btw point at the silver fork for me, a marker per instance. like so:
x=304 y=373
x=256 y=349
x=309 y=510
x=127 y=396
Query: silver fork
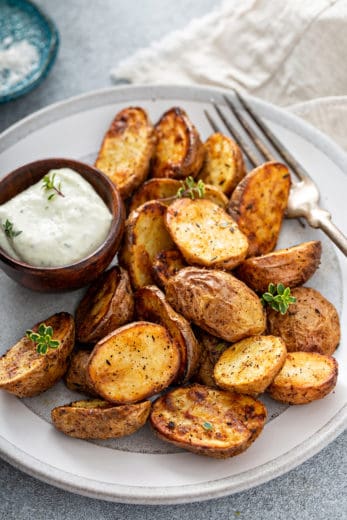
x=304 y=194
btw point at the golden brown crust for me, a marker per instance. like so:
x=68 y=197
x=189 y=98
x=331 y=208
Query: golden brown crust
x=223 y=166
x=166 y=264
x=25 y=373
x=217 y=302
x=292 y=266
x=76 y=376
x=152 y=306
x=107 y=304
x=98 y=419
x=127 y=149
x=305 y=377
x=212 y=348
x=179 y=151
x=134 y=362
x=258 y=204
x=311 y=324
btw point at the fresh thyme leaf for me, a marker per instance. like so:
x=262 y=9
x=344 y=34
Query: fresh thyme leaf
x=9 y=231
x=207 y=426
x=43 y=338
x=191 y=189
x=48 y=185
x=278 y=297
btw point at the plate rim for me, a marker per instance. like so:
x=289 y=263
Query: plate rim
x=219 y=487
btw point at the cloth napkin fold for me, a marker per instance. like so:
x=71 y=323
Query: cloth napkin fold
x=284 y=52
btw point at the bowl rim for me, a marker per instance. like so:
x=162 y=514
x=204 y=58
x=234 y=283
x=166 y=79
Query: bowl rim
x=115 y=227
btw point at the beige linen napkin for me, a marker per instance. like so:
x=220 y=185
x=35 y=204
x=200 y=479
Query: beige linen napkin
x=283 y=51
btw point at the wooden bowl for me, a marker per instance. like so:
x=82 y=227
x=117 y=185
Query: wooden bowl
x=78 y=274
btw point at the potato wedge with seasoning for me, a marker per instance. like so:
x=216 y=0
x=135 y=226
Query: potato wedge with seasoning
x=76 y=376
x=212 y=348
x=127 y=149
x=310 y=325
x=162 y=189
x=258 y=204
x=205 y=234
x=203 y=420
x=292 y=266
x=25 y=372
x=107 y=304
x=305 y=377
x=217 y=302
x=250 y=365
x=145 y=236
x=152 y=306
x=180 y=152
x=136 y=361
x=97 y=419
x=223 y=166
x=166 y=264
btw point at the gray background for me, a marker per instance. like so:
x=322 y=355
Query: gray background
x=95 y=35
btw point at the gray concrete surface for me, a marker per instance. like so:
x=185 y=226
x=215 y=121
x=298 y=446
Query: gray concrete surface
x=94 y=36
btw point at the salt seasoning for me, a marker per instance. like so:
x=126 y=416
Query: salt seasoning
x=18 y=59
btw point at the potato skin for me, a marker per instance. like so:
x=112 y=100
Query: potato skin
x=107 y=304
x=180 y=152
x=311 y=324
x=152 y=306
x=26 y=373
x=292 y=266
x=212 y=348
x=223 y=166
x=98 y=419
x=166 y=264
x=305 y=377
x=217 y=302
x=76 y=376
x=127 y=149
x=258 y=204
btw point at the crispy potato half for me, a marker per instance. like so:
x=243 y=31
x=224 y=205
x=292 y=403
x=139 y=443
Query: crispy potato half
x=258 y=204
x=136 y=361
x=305 y=377
x=127 y=149
x=107 y=304
x=180 y=152
x=205 y=234
x=163 y=189
x=292 y=266
x=76 y=376
x=311 y=324
x=97 y=419
x=152 y=306
x=166 y=264
x=212 y=348
x=145 y=236
x=205 y=420
x=25 y=373
x=250 y=365
x=223 y=166
x=217 y=302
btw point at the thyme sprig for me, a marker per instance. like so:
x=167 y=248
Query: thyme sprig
x=191 y=189
x=278 y=297
x=43 y=338
x=9 y=231
x=49 y=185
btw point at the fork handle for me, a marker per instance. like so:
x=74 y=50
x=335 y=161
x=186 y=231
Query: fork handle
x=319 y=218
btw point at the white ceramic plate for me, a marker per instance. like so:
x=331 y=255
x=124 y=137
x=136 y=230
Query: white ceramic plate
x=139 y=468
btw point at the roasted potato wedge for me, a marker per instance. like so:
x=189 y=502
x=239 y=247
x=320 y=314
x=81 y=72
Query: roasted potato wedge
x=25 y=373
x=97 y=419
x=127 y=149
x=203 y=420
x=250 y=365
x=136 y=361
x=165 y=189
x=107 y=304
x=258 y=204
x=76 y=376
x=217 y=302
x=166 y=264
x=151 y=305
x=212 y=348
x=145 y=236
x=311 y=324
x=292 y=266
x=180 y=152
x=223 y=166
x=205 y=234
x=305 y=377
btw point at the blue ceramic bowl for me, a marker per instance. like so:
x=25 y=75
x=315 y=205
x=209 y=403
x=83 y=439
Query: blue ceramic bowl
x=22 y=21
